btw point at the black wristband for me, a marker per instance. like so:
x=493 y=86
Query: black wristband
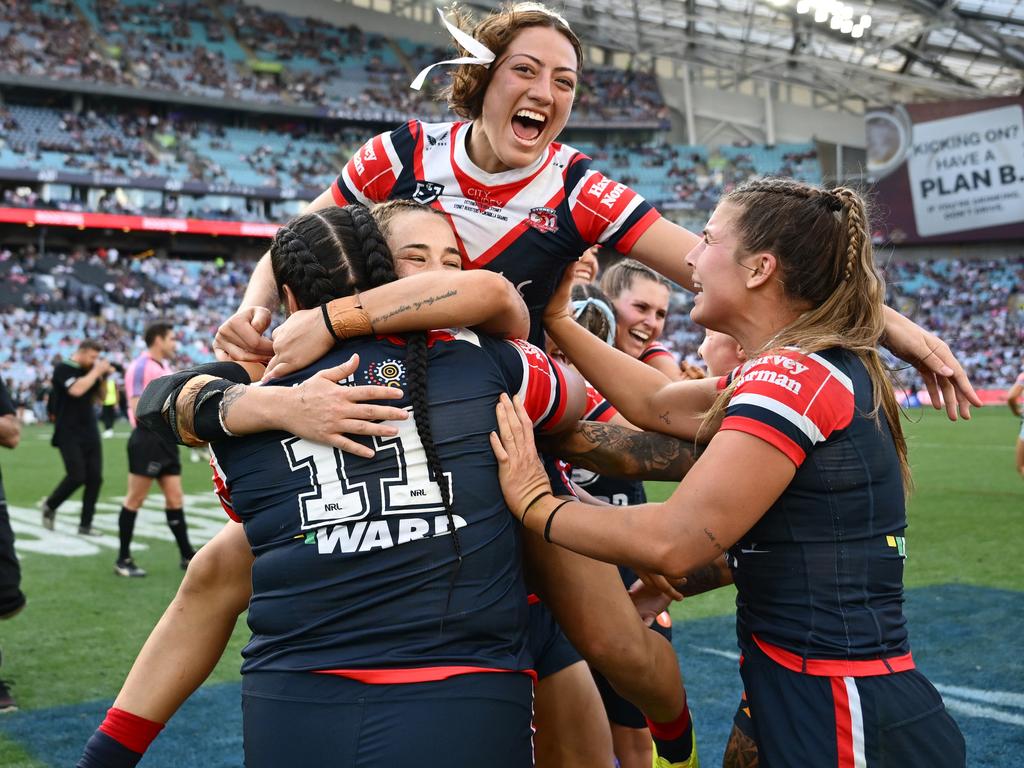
x=551 y=517
x=536 y=498
x=327 y=321
x=208 y=424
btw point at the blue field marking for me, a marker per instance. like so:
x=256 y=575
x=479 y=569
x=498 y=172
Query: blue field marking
x=966 y=639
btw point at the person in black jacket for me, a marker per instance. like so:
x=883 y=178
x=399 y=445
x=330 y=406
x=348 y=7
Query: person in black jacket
x=76 y=388
x=12 y=600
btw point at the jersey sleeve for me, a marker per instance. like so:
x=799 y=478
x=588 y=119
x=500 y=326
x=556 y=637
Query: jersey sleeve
x=532 y=375
x=64 y=377
x=371 y=173
x=222 y=489
x=653 y=350
x=790 y=400
x=607 y=212
x=597 y=407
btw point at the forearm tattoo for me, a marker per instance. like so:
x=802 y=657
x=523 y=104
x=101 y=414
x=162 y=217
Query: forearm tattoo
x=617 y=451
x=231 y=396
x=711 y=576
x=414 y=306
x=186 y=408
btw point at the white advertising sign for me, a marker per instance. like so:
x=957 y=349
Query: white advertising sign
x=967 y=172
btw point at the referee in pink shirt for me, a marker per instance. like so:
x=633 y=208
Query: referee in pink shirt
x=150 y=456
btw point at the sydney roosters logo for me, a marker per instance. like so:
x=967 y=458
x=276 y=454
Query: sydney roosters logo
x=543 y=219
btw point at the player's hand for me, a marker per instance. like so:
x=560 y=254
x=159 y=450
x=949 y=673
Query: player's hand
x=560 y=304
x=102 y=367
x=520 y=472
x=690 y=371
x=944 y=377
x=325 y=412
x=649 y=600
x=302 y=339
x=240 y=337
x=585 y=270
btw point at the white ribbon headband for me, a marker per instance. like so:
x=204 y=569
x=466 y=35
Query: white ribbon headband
x=481 y=53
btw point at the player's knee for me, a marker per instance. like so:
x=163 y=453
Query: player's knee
x=616 y=655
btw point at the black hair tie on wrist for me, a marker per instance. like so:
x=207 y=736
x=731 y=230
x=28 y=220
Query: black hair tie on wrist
x=551 y=517
x=536 y=498
x=327 y=321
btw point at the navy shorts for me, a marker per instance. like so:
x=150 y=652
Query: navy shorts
x=309 y=720
x=621 y=711
x=877 y=720
x=551 y=650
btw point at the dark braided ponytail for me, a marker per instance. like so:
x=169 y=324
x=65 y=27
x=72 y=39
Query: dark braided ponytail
x=378 y=265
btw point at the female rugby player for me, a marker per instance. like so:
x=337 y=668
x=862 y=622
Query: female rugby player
x=1013 y=398
x=802 y=484
x=526 y=206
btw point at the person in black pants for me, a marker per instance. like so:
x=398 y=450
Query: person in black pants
x=12 y=600
x=76 y=388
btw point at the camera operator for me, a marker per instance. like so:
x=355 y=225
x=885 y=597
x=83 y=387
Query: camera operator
x=76 y=391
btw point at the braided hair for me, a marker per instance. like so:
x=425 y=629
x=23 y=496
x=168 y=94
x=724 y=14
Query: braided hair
x=319 y=252
x=822 y=241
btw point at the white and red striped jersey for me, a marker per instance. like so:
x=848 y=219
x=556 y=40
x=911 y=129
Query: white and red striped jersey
x=528 y=224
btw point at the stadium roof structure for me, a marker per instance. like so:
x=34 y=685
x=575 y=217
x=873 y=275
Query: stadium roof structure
x=910 y=50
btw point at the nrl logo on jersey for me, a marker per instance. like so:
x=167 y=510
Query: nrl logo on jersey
x=427 y=192
x=543 y=219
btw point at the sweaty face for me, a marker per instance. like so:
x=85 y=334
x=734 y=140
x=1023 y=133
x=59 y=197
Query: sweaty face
x=718 y=274
x=527 y=102
x=640 y=313
x=422 y=242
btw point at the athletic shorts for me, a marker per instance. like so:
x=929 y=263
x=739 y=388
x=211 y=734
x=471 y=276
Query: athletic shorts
x=621 y=711
x=1021 y=435
x=150 y=455
x=880 y=720
x=551 y=650
x=310 y=720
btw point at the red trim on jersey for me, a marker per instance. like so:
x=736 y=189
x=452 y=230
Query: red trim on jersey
x=628 y=240
x=596 y=401
x=563 y=390
x=653 y=350
x=222 y=491
x=767 y=433
x=337 y=194
x=835 y=667
x=415 y=675
x=844 y=724
x=532 y=599
x=130 y=731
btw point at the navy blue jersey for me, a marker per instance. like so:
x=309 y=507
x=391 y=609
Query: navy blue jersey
x=528 y=224
x=821 y=574
x=354 y=558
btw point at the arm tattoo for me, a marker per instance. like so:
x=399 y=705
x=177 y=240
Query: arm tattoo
x=663 y=417
x=230 y=397
x=711 y=576
x=415 y=306
x=622 y=452
x=713 y=540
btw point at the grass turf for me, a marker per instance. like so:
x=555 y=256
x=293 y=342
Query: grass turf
x=77 y=638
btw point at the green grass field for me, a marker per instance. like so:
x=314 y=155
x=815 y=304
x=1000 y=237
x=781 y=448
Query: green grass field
x=83 y=626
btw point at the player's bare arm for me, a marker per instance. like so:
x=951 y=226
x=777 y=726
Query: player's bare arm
x=1013 y=398
x=10 y=431
x=478 y=298
x=617 y=451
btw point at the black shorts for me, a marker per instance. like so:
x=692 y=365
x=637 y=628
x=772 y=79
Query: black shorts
x=150 y=455
x=878 y=720
x=551 y=650
x=310 y=720
x=620 y=711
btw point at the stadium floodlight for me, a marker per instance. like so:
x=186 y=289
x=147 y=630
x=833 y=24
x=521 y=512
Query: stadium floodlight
x=857 y=32
x=821 y=15
x=803 y=6
x=865 y=21
x=847 y=26
x=836 y=22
